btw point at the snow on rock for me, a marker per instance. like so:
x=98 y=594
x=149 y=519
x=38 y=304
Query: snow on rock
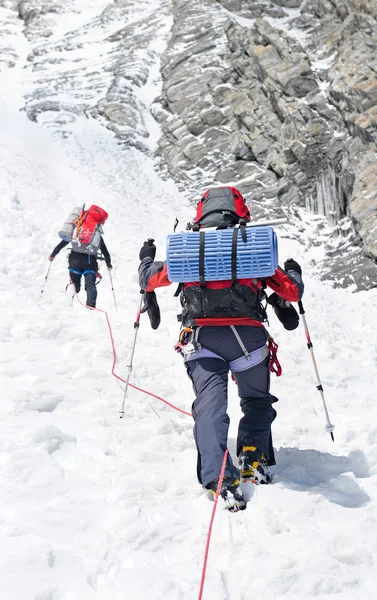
x=92 y=506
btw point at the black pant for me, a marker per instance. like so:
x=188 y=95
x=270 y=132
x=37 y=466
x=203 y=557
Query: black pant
x=84 y=264
x=210 y=381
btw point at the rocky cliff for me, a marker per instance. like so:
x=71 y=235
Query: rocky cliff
x=278 y=98
x=283 y=102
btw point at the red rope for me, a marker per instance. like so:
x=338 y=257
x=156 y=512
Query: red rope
x=209 y=534
x=135 y=387
x=211 y=525
x=159 y=398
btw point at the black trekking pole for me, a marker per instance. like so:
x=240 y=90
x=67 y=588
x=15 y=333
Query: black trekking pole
x=112 y=287
x=129 y=366
x=329 y=427
x=46 y=276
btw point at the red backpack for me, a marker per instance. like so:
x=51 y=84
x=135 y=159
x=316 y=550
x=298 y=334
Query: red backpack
x=89 y=221
x=218 y=302
x=221 y=207
x=87 y=234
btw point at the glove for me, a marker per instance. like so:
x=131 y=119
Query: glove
x=51 y=258
x=274 y=299
x=285 y=312
x=292 y=265
x=152 y=308
x=148 y=249
x=109 y=267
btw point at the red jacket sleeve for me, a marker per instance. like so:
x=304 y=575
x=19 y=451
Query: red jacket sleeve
x=152 y=274
x=288 y=285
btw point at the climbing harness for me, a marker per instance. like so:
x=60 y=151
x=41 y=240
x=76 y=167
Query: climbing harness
x=190 y=348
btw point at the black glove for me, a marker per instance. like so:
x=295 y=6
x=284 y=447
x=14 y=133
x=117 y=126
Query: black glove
x=148 y=249
x=292 y=265
x=152 y=308
x=109 y=266
x=285 y=312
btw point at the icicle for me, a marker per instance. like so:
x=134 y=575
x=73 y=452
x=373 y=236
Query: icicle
x=329 y=198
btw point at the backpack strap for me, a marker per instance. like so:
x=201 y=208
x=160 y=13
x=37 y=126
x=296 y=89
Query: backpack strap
x=238 y=338
x=243 y=230
x=80 y=221
x=201 y=258
x=178 y=290
x=234 y=255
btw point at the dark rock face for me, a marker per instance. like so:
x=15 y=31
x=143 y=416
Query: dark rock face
x=289 y=123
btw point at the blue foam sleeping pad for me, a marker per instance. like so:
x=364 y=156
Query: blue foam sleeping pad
x=258 y=257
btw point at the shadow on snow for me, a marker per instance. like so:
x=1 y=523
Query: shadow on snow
x=324 y=473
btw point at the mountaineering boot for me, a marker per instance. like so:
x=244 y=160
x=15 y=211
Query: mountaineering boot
x=254 y=466
x=230 y=492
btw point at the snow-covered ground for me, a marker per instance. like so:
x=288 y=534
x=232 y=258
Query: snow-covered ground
x=92 y=506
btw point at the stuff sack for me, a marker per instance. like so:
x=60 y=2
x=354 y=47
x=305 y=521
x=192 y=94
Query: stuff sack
x=69 y=226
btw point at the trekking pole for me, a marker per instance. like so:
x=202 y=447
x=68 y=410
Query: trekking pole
x=46 y=276
x=112 y=287
x=129 y=366
x=329 y=427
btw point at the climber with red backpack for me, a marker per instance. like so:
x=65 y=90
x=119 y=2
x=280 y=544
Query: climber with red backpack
x=224 y=308
x=83 y=230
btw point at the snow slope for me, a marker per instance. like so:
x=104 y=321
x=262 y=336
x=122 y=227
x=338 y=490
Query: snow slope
x=92 y=506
